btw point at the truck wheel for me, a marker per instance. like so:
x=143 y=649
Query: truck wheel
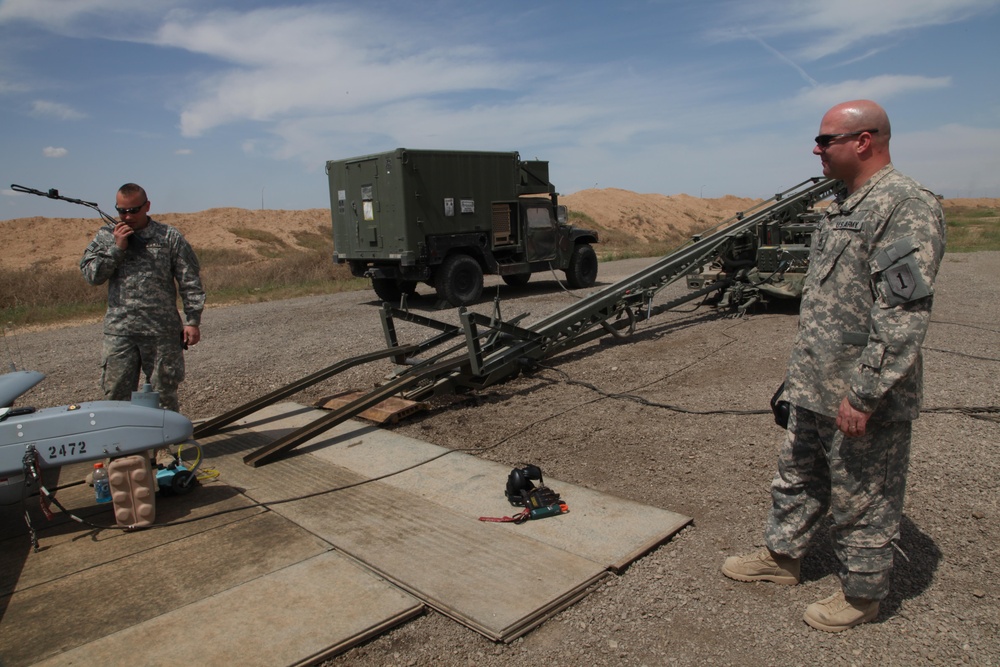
x=517 y=279
x=390 y=289
x=459 y=280
x=582 y=269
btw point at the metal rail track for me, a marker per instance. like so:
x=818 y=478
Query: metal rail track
x=494 y=350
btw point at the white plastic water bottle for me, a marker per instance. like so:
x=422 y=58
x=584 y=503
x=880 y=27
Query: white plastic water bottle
x=102 y=488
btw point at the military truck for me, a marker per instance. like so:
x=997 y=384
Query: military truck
x=445 y=218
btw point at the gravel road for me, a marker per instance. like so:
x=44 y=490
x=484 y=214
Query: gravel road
x=699 y=457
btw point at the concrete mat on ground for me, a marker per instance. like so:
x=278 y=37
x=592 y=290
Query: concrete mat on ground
x=211 y=586
x=420 y=528
x=301 y=614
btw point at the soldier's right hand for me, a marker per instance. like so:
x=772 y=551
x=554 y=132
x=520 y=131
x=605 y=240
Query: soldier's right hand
x=122 y=231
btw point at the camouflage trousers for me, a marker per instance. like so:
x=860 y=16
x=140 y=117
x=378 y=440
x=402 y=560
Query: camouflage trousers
x=159 y=358
x=860 y=481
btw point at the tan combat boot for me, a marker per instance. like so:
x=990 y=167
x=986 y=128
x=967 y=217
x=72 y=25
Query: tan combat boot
x=837 y=612
x=162 y=457
x=763 y=566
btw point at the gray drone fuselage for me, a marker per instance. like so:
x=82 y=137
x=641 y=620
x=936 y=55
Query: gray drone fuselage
x=78 y=432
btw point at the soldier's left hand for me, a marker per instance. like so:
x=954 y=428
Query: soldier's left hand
x=191 y=335
x=851 y=421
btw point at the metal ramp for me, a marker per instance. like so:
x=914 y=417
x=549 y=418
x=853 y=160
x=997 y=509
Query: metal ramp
x=491 y=350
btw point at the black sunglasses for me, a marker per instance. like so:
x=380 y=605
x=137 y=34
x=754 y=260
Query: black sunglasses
x=131 y=211
x=824 y=140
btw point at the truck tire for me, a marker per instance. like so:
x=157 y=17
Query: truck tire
x=391 y=289
x=459 y=280
x=517 y=279
x=582 y=269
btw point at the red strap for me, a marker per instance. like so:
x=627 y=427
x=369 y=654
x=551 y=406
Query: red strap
x=517 y=518
x=43 y=501
x=43 y=494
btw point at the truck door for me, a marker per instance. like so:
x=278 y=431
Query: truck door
x=366 y=205
x=540 y=235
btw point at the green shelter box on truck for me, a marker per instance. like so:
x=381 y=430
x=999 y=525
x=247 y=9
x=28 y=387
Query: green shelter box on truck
x=445 y=218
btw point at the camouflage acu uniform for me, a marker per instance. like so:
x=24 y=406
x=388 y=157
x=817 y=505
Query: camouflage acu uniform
x=865 y=310
x=142 y=328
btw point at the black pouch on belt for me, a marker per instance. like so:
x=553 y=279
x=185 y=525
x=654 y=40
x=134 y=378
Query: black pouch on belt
x=780 y=408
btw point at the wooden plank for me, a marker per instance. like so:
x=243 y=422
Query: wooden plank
x=389 y=411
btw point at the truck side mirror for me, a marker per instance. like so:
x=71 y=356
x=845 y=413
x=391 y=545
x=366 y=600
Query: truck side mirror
x=562 y=216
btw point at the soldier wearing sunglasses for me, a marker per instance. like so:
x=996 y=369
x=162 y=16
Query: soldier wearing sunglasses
x=146 y=264
x=854 y=379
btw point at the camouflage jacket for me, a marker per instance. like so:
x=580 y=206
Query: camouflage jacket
x=143 y=280
x=867 y=301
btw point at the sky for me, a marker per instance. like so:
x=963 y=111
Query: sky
x=218 y=103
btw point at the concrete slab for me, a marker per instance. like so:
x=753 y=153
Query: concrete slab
x=302 y=614
x=456 y=564
x=205 y=583
x=65 y=613
x=67 y=548
x=600 y=527
x=267 y=585
x=425 y=508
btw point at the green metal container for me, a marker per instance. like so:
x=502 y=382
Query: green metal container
x=446 y=217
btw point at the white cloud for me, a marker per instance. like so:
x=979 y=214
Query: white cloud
x=308 y=60
x=826 y=27
x=49 y=11
x=879 y=88
x=83 y=17
x=183 y=151
x=10 y=87
x=563 y=112
x=55 y=110
x=306 y=36
x=52 y=151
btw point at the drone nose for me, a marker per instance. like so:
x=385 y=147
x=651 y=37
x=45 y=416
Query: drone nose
x=176 y=427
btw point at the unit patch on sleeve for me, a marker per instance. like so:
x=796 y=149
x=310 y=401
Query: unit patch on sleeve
x=901 y=281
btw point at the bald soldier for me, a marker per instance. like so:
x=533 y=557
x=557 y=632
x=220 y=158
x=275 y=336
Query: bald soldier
x=854 y=380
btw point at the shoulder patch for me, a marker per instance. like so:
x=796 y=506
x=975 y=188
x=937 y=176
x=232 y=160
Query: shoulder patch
x=901 y=281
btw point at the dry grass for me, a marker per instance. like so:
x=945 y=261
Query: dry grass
x=33 y=296
x=971 y=229
x=38 y=297
x=274 y=269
